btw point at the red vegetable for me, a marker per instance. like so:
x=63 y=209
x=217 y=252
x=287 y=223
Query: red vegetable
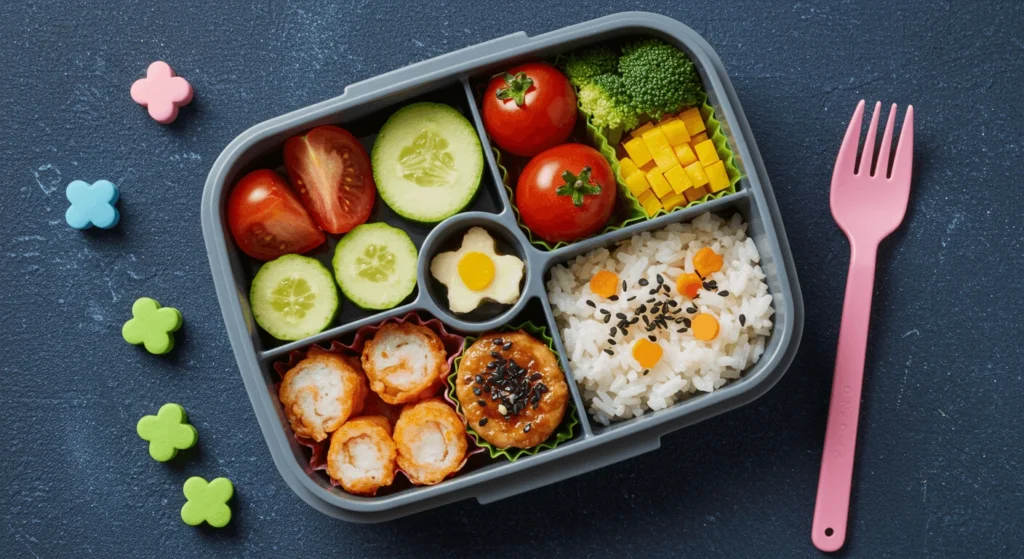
x=266 y=218
x=529 y=109
x=566 y=193
x=331 y=171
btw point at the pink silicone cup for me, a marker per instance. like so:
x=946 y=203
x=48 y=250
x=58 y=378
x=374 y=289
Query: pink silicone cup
x=162 y=92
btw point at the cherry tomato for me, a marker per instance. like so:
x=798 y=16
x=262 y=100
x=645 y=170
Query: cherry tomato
x=566 y=193
x=267 y=219
x=529 y=109
x=331 y=171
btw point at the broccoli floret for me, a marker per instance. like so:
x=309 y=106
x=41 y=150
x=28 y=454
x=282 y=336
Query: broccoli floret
x=608 y=103
x=658 y=77
x=584 y=65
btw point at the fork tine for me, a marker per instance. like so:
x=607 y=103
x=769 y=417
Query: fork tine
x=904 y=161
x=847 y=159
x=867 y=153
x=882 y=168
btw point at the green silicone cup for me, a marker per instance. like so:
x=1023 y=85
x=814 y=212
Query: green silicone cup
x=565 y=429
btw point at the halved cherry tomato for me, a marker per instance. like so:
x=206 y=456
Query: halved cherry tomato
x=529 y=109
x=266 y=218
x=566 y=193
x=331 y=171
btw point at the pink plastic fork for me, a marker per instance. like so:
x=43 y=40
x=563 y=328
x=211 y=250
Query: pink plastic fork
x=868 y=204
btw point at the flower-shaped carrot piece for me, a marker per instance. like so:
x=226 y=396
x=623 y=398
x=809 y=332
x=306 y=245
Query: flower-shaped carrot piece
x=705 y=327
x=688 y=284
x=647 y=353
x=707 y=262
x=604 y=284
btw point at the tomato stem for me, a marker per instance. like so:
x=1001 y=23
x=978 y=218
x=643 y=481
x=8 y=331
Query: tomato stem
x=578 y=186
x=518 y=85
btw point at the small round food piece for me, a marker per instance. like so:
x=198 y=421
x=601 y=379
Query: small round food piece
x=512 y=391
x=476 y=272
x=431 y=441
x=404 y=362
x=320 y=393
x=362 y=455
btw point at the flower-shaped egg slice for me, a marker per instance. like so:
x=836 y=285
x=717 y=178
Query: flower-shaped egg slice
x=476 y=272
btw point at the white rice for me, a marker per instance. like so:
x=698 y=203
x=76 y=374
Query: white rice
x=613 y=386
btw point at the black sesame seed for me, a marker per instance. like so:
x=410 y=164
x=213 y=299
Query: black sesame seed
x=483 y=422
x=591 y=303
x=476 y=390
x=624 y=286
x=541 y=387
x=641 y=309
x=609 y=352
x=623 y=330
x=634 y=320
x=481 y=403
x=708 y=287
x=613 y=298
x=646 y=373
x=672 y=303
x=620 y=316
x=660 y=279
x=743 y=320
x=479 y=379
x=527 y=428
x=643 y=282
x=652 y=338
x=723 y=293
x=653 y=291
x=631 y=297
x=535 y=376
x=682 y=330
x=651 y=300
x=691 y=310
x=647 y=321
x=607 y=318
x=605 y=311
x=507 y=346
x=492 y=364
x=497 y=341
x=495 y=354
x=612 y=331
x=686 y=322
x=611 y=341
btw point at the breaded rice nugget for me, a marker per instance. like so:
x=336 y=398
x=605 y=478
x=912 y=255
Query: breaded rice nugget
x=404 y=362
x=431 y=441
x=320 y=393
x=362 y=455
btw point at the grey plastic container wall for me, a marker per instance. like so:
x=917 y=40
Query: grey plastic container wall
x=595 y=446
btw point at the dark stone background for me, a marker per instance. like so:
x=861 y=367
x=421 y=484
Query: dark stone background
x=939 y=453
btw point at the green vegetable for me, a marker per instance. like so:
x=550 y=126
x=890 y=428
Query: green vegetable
x=658 y=77
x=588 y=63
x=375 y=265
x=293 y=297
x=607 y=101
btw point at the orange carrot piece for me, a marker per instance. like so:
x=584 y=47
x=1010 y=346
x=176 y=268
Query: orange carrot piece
x=688 y=284
x=646 y=353
x=604 y=284
x=707 y=262
x=705 y=327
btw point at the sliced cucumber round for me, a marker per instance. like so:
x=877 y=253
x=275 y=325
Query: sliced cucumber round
x=293 y=297
x=375 y=265
x=427 y=162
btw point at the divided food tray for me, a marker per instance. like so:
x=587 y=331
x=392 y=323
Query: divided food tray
x=362 y=108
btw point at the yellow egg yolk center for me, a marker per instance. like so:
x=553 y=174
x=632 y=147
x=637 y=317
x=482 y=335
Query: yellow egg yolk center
x=476 y=270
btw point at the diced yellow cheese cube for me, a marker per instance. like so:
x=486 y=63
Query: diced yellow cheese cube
x=706 y=152
x=696 y=173
x=676 y=132
x=643 y=198
x=658 y=183
x=627 y=167
x=685 y=155
x=636 y=133
x=695 y=193
x=673 y=201
x=652 y=206
x=698 y=138
x=637 y=183
x=648 y=167
x=665 y=159
x=638 y=152
x=718 y=178
x=694 y=123
x=678 y=178
x=655 y=140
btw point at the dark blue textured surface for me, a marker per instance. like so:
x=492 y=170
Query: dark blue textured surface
x=939 y=458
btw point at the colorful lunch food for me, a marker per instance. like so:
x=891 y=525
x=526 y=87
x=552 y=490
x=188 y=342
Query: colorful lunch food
x=320 y=393
x=267 y=220
x=662 y=315
x=404 y=362
x=476 y=272
x=293 y=297
x=375 y=265
x=511 y=389
x=431 y=441
x=362 y=455
x=529 y=108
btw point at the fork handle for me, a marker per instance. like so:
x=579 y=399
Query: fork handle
x=832 y=506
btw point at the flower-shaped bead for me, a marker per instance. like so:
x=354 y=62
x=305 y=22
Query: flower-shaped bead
x=92 y=205
x=207 y=502
x=152 y=325
x=167 y=432
x=162 y=92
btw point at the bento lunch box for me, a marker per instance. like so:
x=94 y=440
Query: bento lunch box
x=362 y=109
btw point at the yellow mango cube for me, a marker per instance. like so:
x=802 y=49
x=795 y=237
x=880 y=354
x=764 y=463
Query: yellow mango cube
x=706 y=152
x=695 y=193
x=651 y=206
x=696 y=173
x=627 y=167
x=718 y=178
x=638 y=152
x=637 y=132
x=678 y=179
x=659 y=185
x=637 y=184
x=655 y=140
x=643 y=198
x=676 y=132
x=698 y=138
x=673 y=201
x=685 y=155
x=665 y=159
x=648 y=167
x=694 y=123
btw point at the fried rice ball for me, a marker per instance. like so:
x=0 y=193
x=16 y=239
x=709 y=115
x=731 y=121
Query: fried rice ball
x=431 y=439
x=362 y=455
x=320 y=393
x=404 y=363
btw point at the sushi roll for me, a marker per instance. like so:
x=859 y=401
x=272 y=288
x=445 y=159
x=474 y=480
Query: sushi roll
x=404 y=363
x=320 y=393
x=431 y=440
x=362 y=455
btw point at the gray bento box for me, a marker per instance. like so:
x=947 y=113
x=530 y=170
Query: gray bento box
x=362 y=108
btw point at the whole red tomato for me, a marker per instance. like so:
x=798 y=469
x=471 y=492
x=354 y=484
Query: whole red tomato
x=266 y=218
x=566 y=193
x=529 y=109
x=331 y=171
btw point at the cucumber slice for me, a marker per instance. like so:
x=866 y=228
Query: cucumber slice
x=427 y=162
x=375 y=265
x=293 y=297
